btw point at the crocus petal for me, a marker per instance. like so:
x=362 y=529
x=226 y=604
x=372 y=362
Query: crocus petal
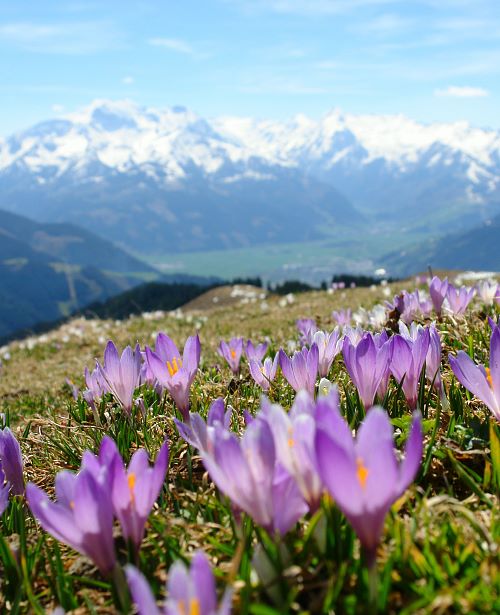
x=54 y=518
x=112 y=361
x=141 y=592
x=165 y=348
x=204 y=582
x=179 y=584
x=472 y=378
x=191 y=355
x=375 y=450
x=285 y=490
x=333 y=458
x=65 y=487
x=93 y=514
x=12 y=461
x=286 y=368
x=216 y=412
x=186 y=430
x=495 y=362
x=157 y=366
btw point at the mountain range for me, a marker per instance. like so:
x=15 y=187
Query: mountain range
x=154 y=179
x=169 y=181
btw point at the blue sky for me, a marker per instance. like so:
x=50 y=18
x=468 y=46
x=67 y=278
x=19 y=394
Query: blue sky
x=428 y=59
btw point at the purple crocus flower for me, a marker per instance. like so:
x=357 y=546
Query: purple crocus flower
x=355 y=334
x=459 y=298
x=166 y=349
x=264 y=373
x=75 y=391
x=189 y=592
x=4 y=491
x=96 y=387
x=122 y=373
x=483 y=382
x=174 y=373
x=363 y=475
x=135 y=489
x=367 y=366
x=255 y=353
x=247 y=472
x=408 y=358
x=82 y=515
x=294 y=434
x=232 y=351
x=409 y=306
x=433 y=358
x=438 y=289
x=199 y=433
x=487 y=291
x=342 y=317
x=329 y=345
x=12 y=461
x=301 y=370
x=307 y=328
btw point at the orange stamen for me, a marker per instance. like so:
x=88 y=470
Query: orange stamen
x=488 y=377
x=131 y=484
x=194 y=606
x=174 y=366
x=362 y=472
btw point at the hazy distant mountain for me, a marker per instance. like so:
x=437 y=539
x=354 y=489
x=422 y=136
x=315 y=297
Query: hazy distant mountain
x=168 y=180
x=162 y=182
x=475 y=249
x=392 y=168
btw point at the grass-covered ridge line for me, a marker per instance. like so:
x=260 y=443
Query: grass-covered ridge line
x=439 y=548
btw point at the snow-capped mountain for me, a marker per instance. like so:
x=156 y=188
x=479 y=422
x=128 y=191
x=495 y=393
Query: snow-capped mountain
x=166 y=180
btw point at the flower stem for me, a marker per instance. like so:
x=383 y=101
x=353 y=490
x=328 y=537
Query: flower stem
x=120 y=590
x=373 y=579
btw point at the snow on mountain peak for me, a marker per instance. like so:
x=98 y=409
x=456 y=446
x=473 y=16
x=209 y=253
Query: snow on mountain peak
x=122 y=135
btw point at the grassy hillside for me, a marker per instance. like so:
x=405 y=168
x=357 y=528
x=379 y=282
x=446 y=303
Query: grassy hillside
x=439 y=551
x=32 y=292
x=67 y=243
x=47 y=271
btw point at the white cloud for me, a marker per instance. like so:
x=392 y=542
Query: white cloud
x=57 y=108
x=455 y=91
x=174 y=44
x=60 y=38
x=128 y=80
